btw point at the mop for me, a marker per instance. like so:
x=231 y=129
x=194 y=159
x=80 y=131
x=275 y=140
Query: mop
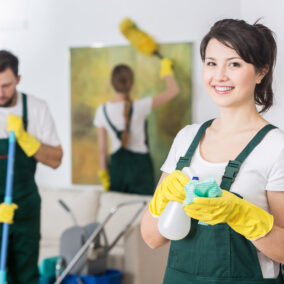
x=7 y=200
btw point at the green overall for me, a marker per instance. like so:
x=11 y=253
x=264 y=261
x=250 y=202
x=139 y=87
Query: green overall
x=24 y=233
x=216 y=254
x=130 y=172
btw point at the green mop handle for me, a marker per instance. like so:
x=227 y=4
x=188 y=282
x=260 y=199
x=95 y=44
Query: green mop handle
x=7 y=200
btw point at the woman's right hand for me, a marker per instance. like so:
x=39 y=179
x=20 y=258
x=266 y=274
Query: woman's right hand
x=166 y=67
x=172 y=88
x=170 y=189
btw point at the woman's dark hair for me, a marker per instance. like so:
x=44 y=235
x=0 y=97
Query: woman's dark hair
x=122 y=79
x=255 y=44
x=8 y=60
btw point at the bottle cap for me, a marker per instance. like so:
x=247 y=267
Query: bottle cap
x=195 y=178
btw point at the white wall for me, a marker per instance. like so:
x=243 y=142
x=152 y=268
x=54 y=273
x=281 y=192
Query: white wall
x=41 y=33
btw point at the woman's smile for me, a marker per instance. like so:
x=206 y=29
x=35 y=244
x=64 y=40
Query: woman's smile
x=223 y=90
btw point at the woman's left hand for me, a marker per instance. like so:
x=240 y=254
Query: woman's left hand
x=105 y=179
x=241 y=215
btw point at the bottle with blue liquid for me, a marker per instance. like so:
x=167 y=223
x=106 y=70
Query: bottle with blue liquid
x=174 y=224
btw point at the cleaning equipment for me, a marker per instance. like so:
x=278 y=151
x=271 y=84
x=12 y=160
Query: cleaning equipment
x=139 y=39
x=8 y=200
x=206 y=188
x=47 y=269
x=93 y=261
x=170 y=189
x=145 y=44
x=112 y=276
x=83 y=253
x=242 y=216
x=174 y=223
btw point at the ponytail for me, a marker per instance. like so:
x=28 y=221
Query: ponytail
x=122 y=80
x=263 y=91
x=126 y=111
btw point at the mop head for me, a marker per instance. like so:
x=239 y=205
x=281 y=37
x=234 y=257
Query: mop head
x=139 y=39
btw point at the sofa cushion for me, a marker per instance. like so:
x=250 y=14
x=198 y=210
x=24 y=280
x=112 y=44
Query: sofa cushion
x=118 y=221
x=54 y=219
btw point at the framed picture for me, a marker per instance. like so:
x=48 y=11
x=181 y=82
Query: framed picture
x=90 y=86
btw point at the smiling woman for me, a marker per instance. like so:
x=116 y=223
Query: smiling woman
x=229 y=79
x=249 y=49
x=244 y=241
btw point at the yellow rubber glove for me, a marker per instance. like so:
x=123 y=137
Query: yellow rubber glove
x=27 y=142
x=166 y=67
x=105 y=179
x=7 y=212
x=242 y=216
x=170 y=189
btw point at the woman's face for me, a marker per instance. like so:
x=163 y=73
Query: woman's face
x=228 y=79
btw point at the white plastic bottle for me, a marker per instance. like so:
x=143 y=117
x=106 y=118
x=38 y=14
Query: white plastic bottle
x=173 y=223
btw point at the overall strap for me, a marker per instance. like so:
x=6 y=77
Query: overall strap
x=186 y=160
x=25 y=111
x=146 y=133
x=117 y=132
x=233 y=166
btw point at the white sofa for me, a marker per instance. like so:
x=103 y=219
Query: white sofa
x=139 y=263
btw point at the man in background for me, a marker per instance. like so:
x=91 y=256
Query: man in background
x=37 y=141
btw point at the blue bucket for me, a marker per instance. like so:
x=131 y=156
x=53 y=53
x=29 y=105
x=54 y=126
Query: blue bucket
x=46 y=280
x=112 y=276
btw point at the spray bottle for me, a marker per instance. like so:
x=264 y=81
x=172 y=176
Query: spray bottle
x=174 y=223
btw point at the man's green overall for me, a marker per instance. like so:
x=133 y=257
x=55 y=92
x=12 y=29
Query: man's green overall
x=130 y=172
x=216 y=254
x=24 y=233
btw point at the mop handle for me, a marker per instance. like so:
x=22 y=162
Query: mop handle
x=7 y=200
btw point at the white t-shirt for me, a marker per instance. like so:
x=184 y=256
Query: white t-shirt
x=262 y=170
x=40 y=121
x=141 y=108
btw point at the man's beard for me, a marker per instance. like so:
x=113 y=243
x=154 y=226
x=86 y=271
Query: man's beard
x=10 y=101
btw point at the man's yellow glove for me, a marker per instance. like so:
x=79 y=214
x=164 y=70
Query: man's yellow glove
x=170 y=189
x=7 y=212
x=105 y=179
x=27 y=142
x=166 y=67
x=242 y=216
